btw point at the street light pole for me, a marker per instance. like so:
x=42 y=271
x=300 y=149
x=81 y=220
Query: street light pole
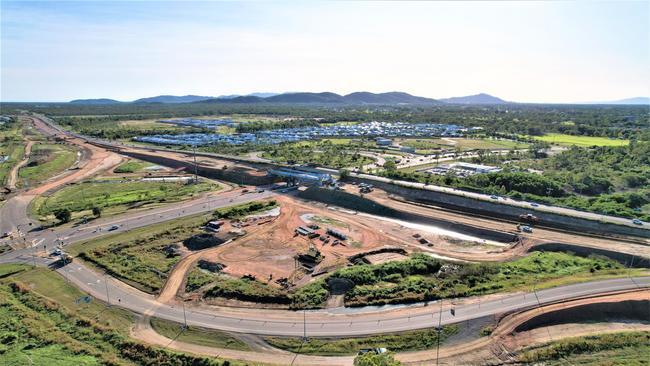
x=108 y=299
x=439 y=329
x=304 y=325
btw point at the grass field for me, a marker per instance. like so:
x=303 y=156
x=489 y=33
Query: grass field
x=114 y=197
x=132 y=166
x=398 y=342
x=41 y=323
x=197 y=335
x=464 y=144
x=625 y=348
x=561 y=139
x=138 y=256
x=46 y=161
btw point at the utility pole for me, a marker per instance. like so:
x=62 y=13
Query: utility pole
x=108 y=299
x=439 y=329
x=184 y=316
x=304 y=327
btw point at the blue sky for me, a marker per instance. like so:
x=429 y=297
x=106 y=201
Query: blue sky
x=520 y=51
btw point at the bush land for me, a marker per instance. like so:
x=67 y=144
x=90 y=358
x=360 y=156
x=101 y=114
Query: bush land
x=39 y=330
x=421 y=278
x=626 y=348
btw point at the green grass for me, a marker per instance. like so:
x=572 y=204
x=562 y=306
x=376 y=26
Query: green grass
x=114 y=197
x=137 y=256
x=52 y=286
x=11 y=269
x=198 y=278
x=40 y=325
x=132 y=166
x=561 y=139
x=463 y=144
x=244 y=209
x=49 y=160
x=625 y=348
x=324 y=220
x=197 y=335
x=398 y=342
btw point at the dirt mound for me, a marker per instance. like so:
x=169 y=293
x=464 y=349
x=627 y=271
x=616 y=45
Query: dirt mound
x=202 y=241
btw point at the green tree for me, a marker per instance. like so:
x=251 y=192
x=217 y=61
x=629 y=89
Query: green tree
x=376 y=359
x=390 y=165
x=64 y=215
x=97 y=211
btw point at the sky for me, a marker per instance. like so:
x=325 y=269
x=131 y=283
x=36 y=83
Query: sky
x=524 y=51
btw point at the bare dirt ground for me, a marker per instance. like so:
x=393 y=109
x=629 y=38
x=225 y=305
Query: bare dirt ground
x=273 y=248
x=539 y=236
x=94 y=160
x=503 y=342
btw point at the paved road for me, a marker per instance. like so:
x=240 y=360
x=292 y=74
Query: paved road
x=45 y=241
x=323 y=323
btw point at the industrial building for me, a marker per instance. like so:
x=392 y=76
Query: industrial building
x=298 y=176
x=380 y=141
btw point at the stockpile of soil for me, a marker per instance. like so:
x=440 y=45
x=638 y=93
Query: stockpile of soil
x=202 y=241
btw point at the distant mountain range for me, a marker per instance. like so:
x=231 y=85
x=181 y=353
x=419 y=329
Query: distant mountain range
x=481 y=98
x=95 y=101
x=357 y=98
x=635 y=101
x=331 y=98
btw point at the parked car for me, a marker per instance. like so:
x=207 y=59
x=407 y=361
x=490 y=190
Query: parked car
x=114 y=227
x=534 y=204
x=637 y=222
x=494 y=197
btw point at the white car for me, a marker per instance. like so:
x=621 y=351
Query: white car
x=637 y=222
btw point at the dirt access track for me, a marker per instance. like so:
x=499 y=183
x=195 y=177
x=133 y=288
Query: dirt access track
x=93 y=160
x=529 y=241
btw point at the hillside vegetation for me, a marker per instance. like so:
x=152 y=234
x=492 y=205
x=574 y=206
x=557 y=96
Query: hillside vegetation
x=42 y=326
